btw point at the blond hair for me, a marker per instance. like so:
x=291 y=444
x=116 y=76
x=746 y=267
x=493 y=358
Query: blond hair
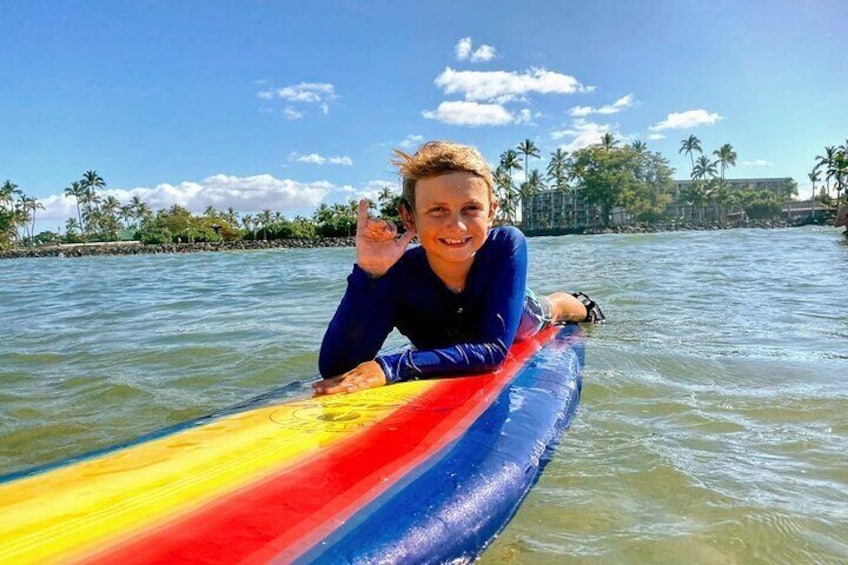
x=436 y=158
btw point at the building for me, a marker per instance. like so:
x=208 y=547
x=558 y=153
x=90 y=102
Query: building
x=552 y=209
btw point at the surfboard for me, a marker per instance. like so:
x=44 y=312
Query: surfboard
x=417 y=472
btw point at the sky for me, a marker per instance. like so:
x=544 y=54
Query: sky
x=283 y=105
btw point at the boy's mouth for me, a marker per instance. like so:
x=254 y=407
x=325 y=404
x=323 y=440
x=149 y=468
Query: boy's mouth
x=452 y=242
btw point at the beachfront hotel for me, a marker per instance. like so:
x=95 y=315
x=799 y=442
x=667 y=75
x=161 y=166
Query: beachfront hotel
x=552 y=209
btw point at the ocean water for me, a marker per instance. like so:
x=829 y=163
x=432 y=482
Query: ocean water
x=714 y=421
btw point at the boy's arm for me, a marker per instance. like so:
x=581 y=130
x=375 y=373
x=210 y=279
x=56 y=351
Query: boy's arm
x=363 y=320
x=360 y=325
x=503 y=308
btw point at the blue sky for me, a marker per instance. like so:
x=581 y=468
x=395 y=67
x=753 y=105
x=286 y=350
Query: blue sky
x=283 y=105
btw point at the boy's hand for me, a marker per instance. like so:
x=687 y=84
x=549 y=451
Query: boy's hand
x=365 y=375
x=377 y=244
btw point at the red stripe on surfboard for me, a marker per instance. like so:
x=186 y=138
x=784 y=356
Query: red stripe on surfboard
x=285 y=514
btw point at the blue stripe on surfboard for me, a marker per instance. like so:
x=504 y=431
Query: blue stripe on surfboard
x=454 y=504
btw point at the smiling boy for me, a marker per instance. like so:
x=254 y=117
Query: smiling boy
x=460 y=297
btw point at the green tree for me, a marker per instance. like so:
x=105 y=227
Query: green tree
x=506 y=194
x=110 y=222
x=509 y=162
x=726 y=157
x=610 y=177
x=814 y=176
x=91 y=182
x=608 y=141
x=688 y=146
x=704 y=169
x=534 y=185
x=264 y=218
x=639 y=146
x=826 y=163
x=29 y=207
x=558 y=170
x=76 y=191
x=528 y=149
x=388 y=203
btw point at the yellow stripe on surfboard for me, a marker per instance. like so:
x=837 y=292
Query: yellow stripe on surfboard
x=75 y=510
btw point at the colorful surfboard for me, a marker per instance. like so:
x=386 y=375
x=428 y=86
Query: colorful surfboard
x=425 y=471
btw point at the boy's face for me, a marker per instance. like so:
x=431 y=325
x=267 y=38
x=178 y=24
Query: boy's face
x=453 y=214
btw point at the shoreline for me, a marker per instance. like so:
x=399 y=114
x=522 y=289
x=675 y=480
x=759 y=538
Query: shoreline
x=138 y=248
x=672 y=226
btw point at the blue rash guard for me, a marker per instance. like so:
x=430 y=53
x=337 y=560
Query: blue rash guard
x=468 y=332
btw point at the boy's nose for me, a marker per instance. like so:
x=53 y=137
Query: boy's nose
x=457 y=222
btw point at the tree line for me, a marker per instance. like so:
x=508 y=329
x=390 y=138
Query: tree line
x=603 y=177
x=832 y=167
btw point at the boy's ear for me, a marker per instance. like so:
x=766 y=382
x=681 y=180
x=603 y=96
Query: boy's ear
x=493 y=207
x=407 y=216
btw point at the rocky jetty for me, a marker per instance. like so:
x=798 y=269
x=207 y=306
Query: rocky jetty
x=137 y=248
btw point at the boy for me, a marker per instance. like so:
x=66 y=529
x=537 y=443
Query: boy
x=460 y=297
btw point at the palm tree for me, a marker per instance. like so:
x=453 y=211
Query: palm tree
x=506 y=194
x=91 y=181
x=704 y=169
x=558 y=169
x=510 y=161
x=534 y=185
x=264 y=218
x=247 y=222
x=30 y=207
x=76 y=191
x=839 y=169
x=814 y=176
x=608 y=141
x=126 y=214
x=726 y=157
x=826 y=162
x=109 y=222
x=72 y=226
x=639 y=146
x=7 y=194
x=689 y=146
x=529 y=149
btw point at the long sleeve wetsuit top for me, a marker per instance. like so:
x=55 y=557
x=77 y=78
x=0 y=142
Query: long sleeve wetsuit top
x=451 y=333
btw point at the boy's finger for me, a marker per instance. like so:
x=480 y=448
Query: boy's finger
x=362 y=216
x=407 y=237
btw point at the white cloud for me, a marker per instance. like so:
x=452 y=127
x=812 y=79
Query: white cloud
x=464 y=51
x=299 y=95
x=411 y=141
x=758 y=163
x=655 y=136
x=290 y=113
x=621 y=104
x=687 y=119
x=346 y=161
x=463 y=48
x=308 y=92
x=246 y=194
x=583 y=134
x=525 y=116
x=316 y=159
x=471 y=114
x=503 y=86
